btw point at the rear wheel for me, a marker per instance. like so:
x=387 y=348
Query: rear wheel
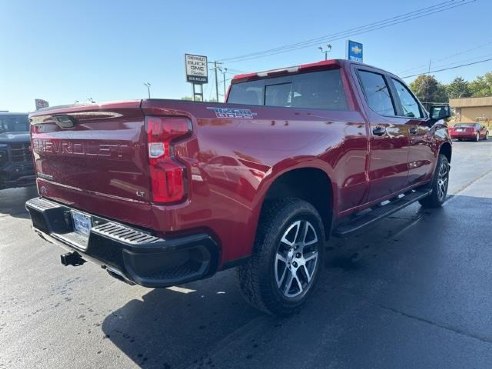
x=439 y=185
x=286 y=260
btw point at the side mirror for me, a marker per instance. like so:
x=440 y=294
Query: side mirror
x=442 y=111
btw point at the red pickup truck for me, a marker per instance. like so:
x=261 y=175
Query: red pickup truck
x=163 y=192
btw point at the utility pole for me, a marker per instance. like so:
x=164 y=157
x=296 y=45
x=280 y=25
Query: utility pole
x=223 y=71
x=325 y=51
x=148 y=88
x=216 y=82
x=216 y=66
x=224 y=74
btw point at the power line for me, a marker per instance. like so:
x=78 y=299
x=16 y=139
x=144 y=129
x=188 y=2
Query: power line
x=445 y=65
x=466 y=51
x=232 y=71
x=406 y=17
x=449 y=68
x=447 y=57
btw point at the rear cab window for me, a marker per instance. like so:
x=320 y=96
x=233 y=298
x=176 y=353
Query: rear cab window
x=315 y=90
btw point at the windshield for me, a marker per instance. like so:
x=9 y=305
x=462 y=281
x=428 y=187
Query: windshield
x=465 y=125
x=14 y=123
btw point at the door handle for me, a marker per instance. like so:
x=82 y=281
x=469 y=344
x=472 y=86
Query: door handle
x=413 y=130
x=379 y=130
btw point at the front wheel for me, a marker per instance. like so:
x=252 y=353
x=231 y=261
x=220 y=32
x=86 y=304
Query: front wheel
x=439 y=185
x=286 y=260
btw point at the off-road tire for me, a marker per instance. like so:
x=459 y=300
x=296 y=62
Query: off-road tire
x=439 y=184
x=259 y=277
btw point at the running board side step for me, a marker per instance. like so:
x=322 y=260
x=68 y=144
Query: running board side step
x=370 y=217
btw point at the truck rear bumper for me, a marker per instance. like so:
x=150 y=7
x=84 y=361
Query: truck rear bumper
x=127 y=253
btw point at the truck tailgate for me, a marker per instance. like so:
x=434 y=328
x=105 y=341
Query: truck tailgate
x=94 y=151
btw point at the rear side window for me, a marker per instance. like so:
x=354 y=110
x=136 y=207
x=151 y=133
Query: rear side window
x=316 y=90
x=377 y=93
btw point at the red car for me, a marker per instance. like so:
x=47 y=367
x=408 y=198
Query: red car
x=469 y=131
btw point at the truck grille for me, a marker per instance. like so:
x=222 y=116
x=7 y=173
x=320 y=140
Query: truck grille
x=20 y=152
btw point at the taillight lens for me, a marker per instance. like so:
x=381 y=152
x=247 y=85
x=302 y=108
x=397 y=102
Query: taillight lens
x=167 y=175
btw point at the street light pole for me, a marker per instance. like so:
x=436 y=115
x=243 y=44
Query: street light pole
x=325 y=51
x=148 y=88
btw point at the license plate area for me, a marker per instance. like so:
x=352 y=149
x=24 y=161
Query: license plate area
x=82 y=223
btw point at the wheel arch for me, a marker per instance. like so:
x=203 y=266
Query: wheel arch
x=310 y=184
x=446 y=150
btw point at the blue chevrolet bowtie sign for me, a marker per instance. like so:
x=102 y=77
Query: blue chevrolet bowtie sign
x=354 y=51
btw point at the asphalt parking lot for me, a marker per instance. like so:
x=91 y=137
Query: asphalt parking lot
x=415 y=291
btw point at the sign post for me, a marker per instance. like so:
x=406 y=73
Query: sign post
x=196 y=73
x=355 y=51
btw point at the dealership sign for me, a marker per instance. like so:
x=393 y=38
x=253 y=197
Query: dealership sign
x=196 y=69
x=40 y=103
x=354 y=51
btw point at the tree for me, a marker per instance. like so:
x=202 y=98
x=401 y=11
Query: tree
x=458 y=88
x=482 y=86
x=429 y=90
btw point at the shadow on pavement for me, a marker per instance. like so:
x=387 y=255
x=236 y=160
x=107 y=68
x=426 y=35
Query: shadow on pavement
x=12 y=201
x=170 y=328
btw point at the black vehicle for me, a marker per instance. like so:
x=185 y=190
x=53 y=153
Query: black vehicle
x=16 y=164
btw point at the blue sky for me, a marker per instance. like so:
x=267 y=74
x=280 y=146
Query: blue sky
x=64 y=51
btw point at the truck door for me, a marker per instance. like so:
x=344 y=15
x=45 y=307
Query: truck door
x=389 y=140
x=412 y=115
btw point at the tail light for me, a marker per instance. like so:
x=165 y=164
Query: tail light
x=167 y=175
